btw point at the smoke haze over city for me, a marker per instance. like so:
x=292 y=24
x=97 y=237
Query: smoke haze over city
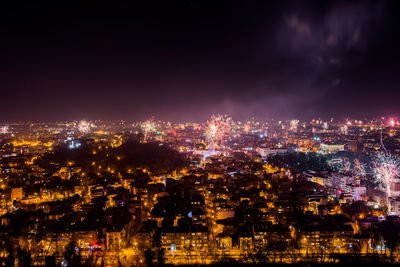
x=184 y=60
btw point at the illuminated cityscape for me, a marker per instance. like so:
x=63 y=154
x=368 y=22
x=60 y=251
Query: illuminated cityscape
x=114 y=192
x=199 y=133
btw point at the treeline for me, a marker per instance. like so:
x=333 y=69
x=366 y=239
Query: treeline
x=92 y=157
x=300 y=162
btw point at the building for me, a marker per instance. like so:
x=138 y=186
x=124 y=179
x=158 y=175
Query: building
x=265 y=152
x=16 y=193
x=331 y=147
x=187 y=246
x=352 y=145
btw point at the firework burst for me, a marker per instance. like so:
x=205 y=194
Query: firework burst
x=247 y=128
x=216 y=129
x=148 y=126
x=386 y=167
x=293 y=125
x=4 y=129
x=85 y=127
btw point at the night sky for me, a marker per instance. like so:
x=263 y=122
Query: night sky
x=184 y=60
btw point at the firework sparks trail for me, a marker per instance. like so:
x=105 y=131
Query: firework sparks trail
x=212 y=134
x=342 y=165
x=334 y=163
x=346 y=166
x=217 y=127
x=359 y=169
x=148 y=126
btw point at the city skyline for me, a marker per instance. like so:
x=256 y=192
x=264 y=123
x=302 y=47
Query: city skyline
x=115 y=193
